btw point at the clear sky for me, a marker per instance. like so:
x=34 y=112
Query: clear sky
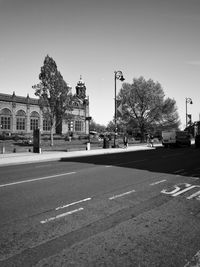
x=157 y=39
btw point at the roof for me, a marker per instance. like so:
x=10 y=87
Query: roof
x=19 y=99
x=77 y=102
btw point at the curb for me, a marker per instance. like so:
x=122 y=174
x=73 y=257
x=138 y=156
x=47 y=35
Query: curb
x=25 y=158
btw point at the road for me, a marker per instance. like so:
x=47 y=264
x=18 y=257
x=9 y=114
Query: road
x=130 y=209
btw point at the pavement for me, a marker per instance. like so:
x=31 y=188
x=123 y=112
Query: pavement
x=30 y=157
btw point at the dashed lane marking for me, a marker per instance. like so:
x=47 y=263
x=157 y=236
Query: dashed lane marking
x=158 y=182
x=37 y=179
x=73 y=203
x=121 y=195
x=61 y=215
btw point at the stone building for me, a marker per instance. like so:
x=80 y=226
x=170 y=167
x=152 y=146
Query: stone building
x=22 y=115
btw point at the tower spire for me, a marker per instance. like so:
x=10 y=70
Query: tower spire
x=81 y=88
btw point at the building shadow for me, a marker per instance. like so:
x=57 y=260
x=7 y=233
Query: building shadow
x=180 y=161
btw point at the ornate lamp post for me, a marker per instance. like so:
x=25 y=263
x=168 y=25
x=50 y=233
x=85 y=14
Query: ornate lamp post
x=118 y=76
x=188 y=100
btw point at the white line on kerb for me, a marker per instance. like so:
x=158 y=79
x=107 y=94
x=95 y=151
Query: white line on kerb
x=73 y=203
x=121 y=195
x=60 y=215
x=37 y=179
x=158 y=182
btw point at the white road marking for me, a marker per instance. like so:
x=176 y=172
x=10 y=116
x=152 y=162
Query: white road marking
x=195 y=261
x=73 y=203
x=60 y=215
x=108 y=166
x=184 y=190
x=197 y=194
x=37 y=179
x=121 y=195
x=158 y=182
x=176 y=189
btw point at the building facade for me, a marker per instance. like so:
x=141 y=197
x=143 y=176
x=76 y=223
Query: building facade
x=21 y=115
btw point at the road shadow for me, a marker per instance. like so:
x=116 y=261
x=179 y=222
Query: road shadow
x=180 y=161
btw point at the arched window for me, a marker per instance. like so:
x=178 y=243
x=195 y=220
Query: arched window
x=21 y=113
x=34 y=123
x=5 y=119
x=20 y=120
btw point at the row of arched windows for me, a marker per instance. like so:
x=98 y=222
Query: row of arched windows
x=21 y=120
x=22 y=125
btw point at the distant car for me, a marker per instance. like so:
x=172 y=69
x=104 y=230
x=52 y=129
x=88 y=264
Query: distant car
x=197 y=141
x=93 y=133
x=27 y=142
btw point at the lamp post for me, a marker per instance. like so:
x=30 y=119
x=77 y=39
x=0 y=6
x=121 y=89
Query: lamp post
x=88 y=144
x=188 y=100
x=118 y=76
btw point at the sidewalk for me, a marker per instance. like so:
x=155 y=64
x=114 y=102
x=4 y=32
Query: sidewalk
x=29 y=157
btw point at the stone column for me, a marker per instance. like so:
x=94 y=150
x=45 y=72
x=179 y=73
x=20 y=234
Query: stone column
x=13 y=118
x=28 y=130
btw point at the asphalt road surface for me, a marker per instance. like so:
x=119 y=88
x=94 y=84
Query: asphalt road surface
x=130 y=209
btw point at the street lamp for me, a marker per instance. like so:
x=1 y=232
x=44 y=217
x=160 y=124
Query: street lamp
x=188 y=100
x=118 y=76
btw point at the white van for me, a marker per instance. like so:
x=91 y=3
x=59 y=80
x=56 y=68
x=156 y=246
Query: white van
x=175 y=138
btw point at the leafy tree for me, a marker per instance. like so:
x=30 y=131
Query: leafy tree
x=121 y=126
x=54 y=94
x=144 y=106
x=97 y=127
x=110 y=126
